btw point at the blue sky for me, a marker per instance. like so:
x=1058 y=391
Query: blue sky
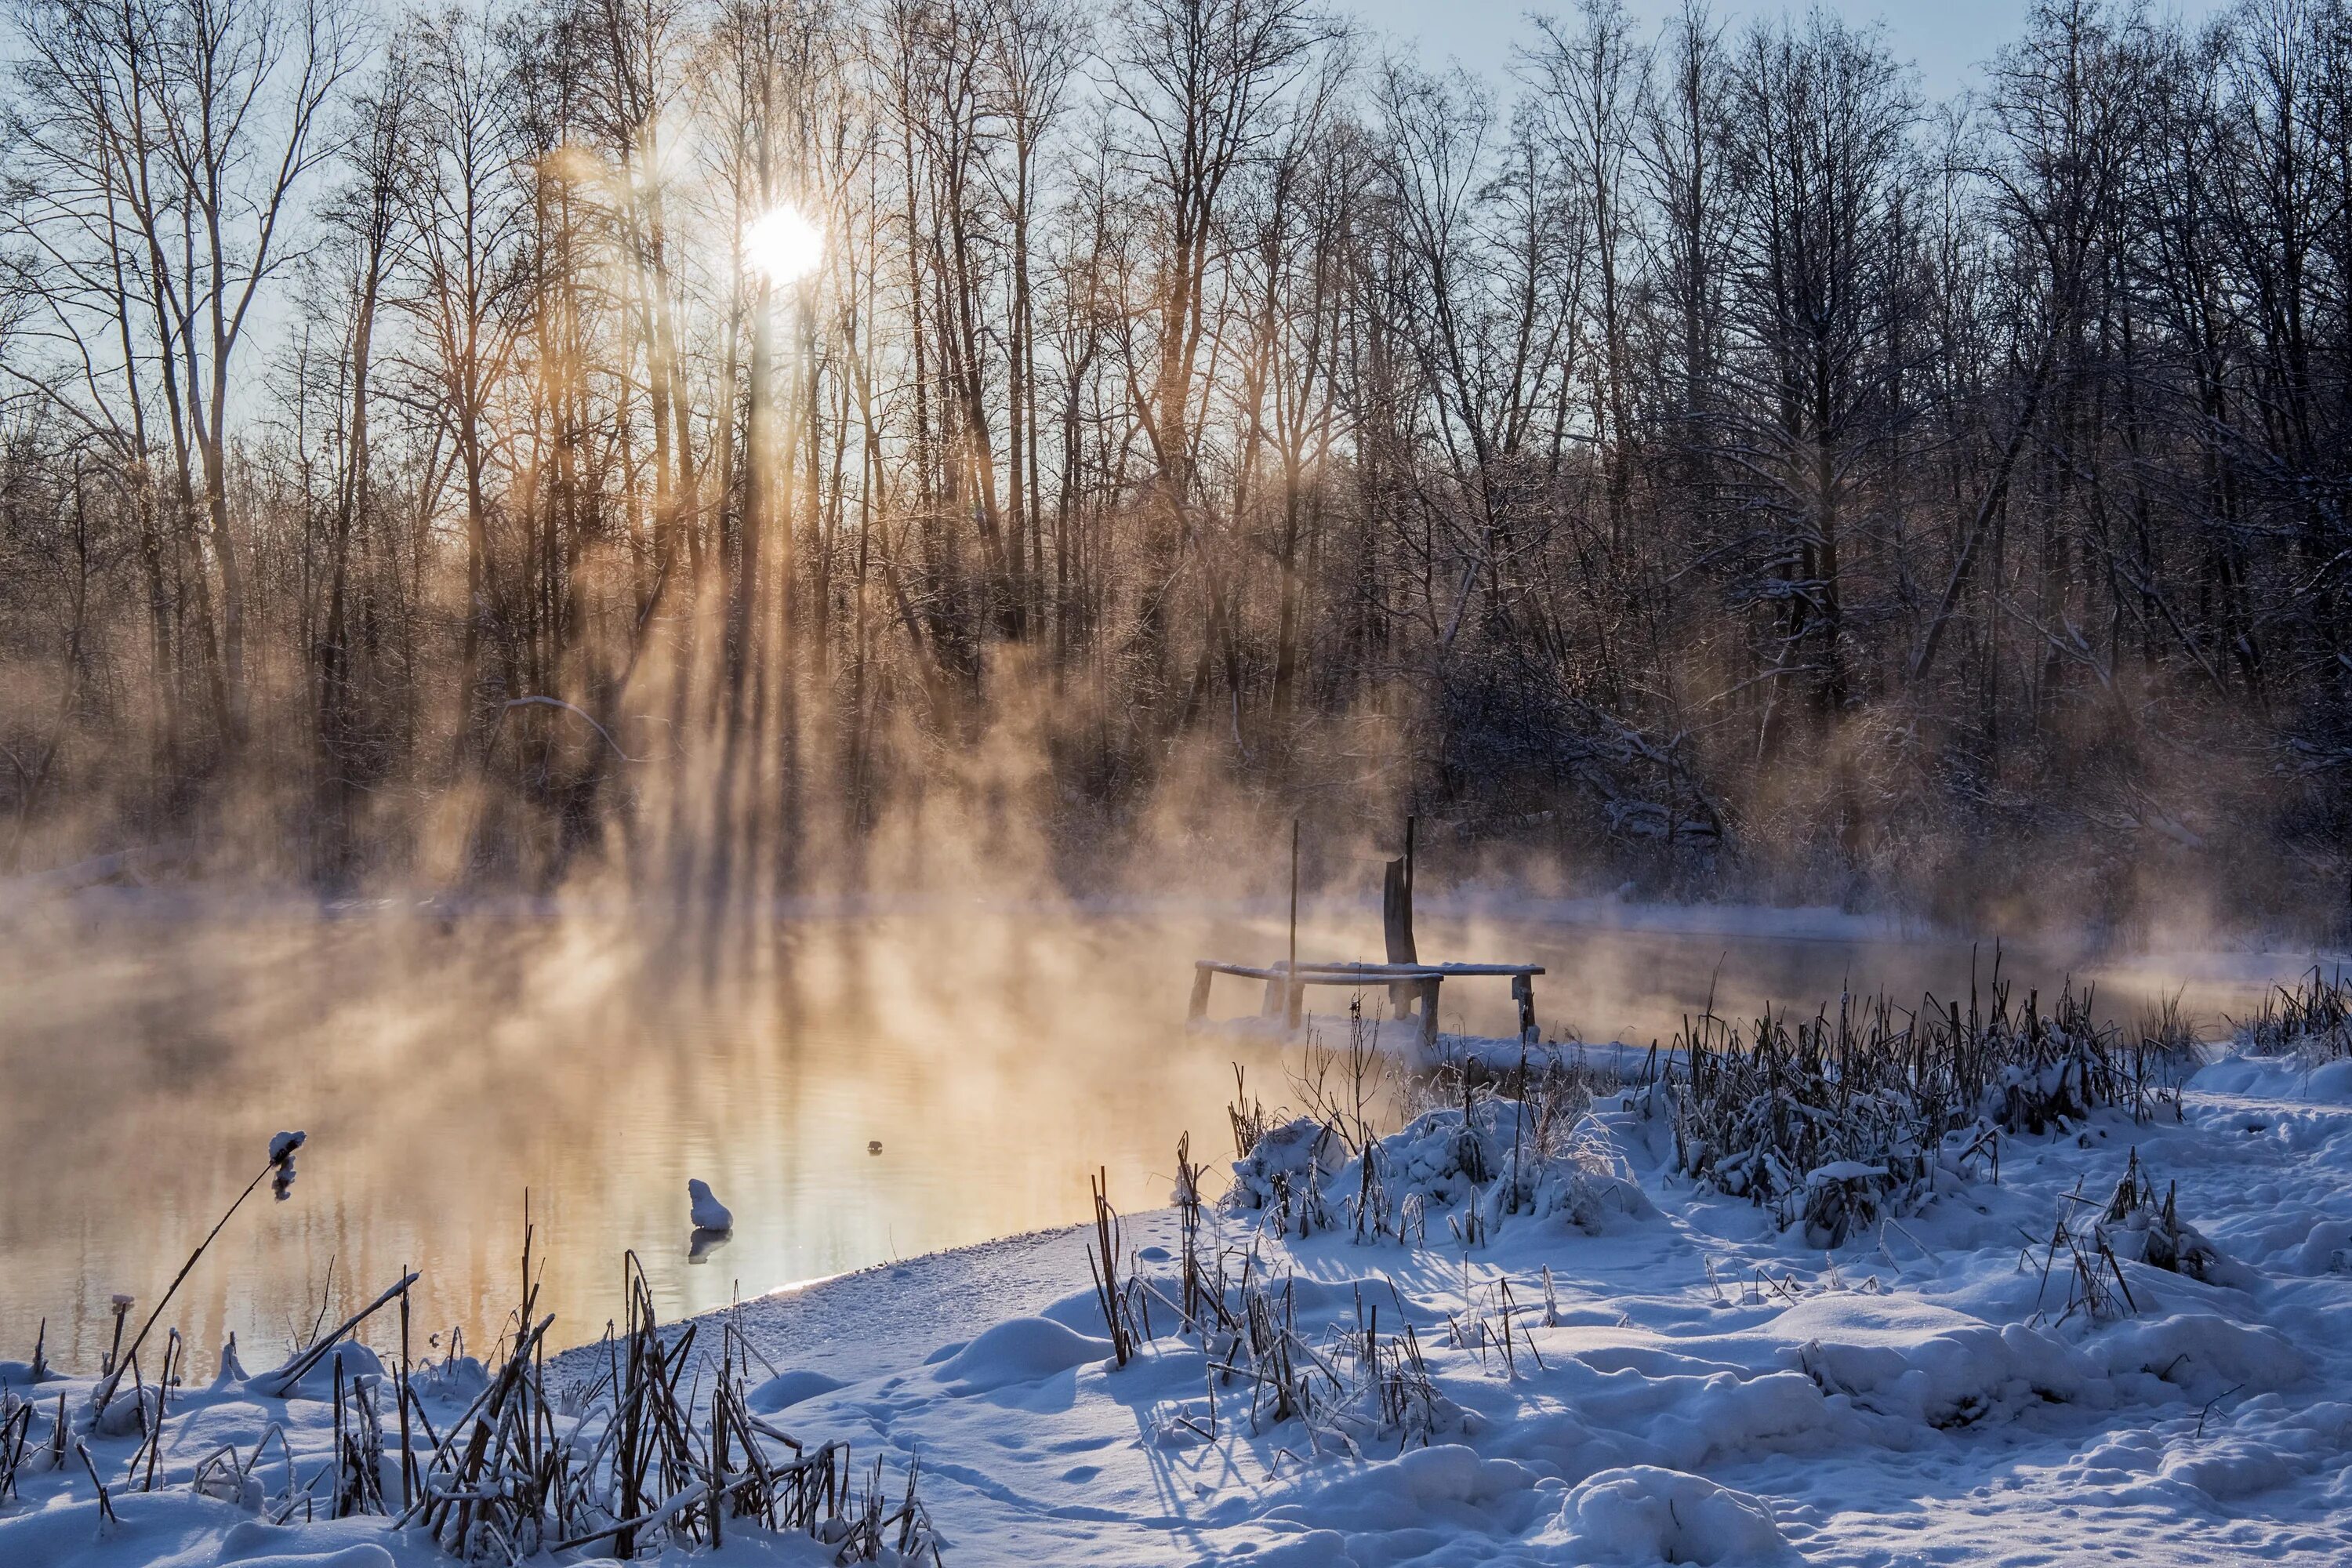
x=1947 y=42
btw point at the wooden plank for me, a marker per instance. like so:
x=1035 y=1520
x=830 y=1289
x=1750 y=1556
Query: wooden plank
x=1344 y=974
x=1384 y=971
x=1286 y=986
x=1370 y=978
x=1416 y=970
x=1246 y=971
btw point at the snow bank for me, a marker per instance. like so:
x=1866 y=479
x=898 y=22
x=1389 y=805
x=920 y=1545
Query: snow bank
x=1022 y=1350
x=2200 y=1354
x=787 y=1389
x=1923 y=1363
x=2277 y=1077
x=1644 y=1514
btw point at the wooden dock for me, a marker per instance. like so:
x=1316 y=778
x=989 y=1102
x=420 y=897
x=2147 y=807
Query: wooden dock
x=1285 y=987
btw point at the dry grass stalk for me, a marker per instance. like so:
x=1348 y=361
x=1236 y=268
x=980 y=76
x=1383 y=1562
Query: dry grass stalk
x=1102 y=1260
x=279 y=1171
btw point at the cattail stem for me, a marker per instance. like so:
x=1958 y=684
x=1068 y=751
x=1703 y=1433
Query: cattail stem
x=105 y=1390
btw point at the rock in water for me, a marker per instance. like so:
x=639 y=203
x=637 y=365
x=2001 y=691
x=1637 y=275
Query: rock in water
x=710 y=1214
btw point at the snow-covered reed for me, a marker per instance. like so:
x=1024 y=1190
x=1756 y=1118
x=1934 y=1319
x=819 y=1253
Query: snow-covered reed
x=475 y=1462
x=2310 y=1020
x=1858 y=1109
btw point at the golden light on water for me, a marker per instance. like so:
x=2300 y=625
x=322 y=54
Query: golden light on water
x=782 y=246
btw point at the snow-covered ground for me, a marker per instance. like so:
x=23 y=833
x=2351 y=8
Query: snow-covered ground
x=1574 y=1356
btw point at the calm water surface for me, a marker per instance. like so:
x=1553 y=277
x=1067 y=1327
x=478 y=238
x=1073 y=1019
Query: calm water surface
x=443 y=1069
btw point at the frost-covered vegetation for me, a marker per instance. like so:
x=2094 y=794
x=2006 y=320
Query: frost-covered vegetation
x=1876 y=1283
x=650 y=1438
x=1840 y=1117
x=2310 y=1021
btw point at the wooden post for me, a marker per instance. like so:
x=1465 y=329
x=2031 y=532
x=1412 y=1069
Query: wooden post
x=1294 y=992
x=1429 y=1017
x=1200 y=1008
x=1523 y=992
x=1396 y=926
x=1396 y=919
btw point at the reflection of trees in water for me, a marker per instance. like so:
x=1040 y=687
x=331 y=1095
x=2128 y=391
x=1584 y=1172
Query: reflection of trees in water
x=442 y=1071
x=998 y=1055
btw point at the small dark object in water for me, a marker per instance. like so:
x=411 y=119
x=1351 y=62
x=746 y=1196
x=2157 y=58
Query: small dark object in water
x=874 y=1146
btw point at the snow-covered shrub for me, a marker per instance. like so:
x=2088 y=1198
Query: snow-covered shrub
x=1755 y=1118
x=1579 y=1175
x=1505 y=1157
x=2135 y=1228
x=1404 y=1394
x=1371 y=1205
x=1363 y=1384
x=1283 y=1174
x=222 y=1478
x=15 y=1431
x=1248 y=1114
x=1443 y=1157
x=1841 y=1197
x=2311 y=1021
x=456 y=1376
x=2053 y=1069
x=1885 y=1103
x=2168 y=1052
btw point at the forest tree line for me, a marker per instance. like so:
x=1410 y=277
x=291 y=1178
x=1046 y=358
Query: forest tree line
x=1699 y=449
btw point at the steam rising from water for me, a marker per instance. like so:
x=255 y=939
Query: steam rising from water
x=601 y=1056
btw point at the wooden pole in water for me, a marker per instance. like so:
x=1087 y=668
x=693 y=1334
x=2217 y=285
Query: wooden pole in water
x=1396 y=919
x=1291 y=987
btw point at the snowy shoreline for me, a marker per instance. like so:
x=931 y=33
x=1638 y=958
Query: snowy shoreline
x=1536 y=1343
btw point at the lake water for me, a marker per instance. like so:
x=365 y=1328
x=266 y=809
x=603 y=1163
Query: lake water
x=150 y=1046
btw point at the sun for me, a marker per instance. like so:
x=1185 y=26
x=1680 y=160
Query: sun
x=782 y=245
